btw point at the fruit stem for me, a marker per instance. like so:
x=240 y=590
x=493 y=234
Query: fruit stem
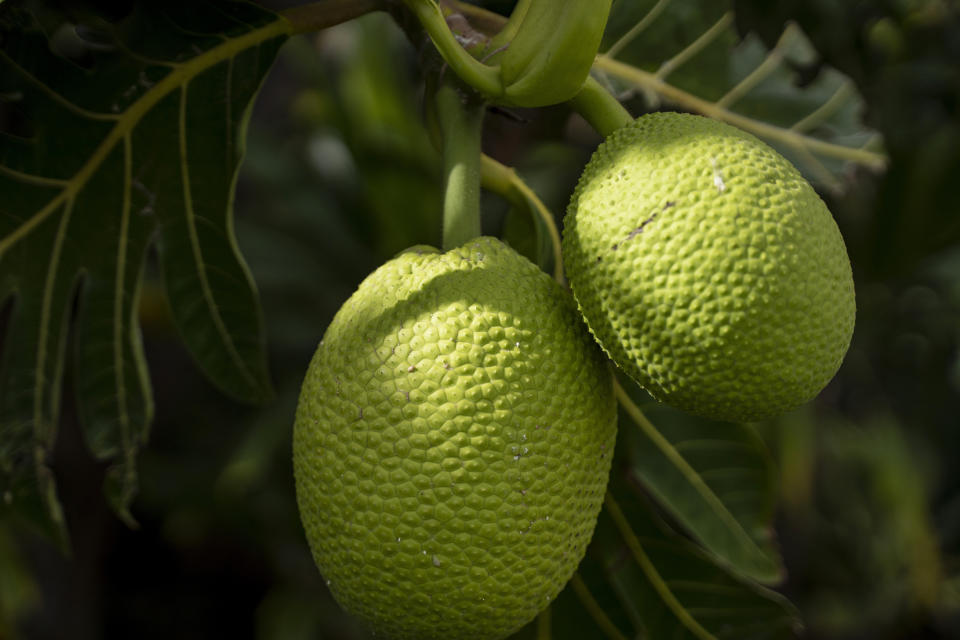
x=600 y=108
x=461 y=124
x=505 y=181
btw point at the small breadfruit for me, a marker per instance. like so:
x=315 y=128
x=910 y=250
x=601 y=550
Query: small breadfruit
x=452 y=444
x=708 y=268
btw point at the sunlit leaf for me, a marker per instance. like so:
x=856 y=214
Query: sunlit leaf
x=688 y=55
x=114 y=138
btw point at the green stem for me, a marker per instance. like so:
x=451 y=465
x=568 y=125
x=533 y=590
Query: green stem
x=647 y=81
x=594 y=609
x=484 y=79
x=327 y=13
x=650 y=571
x=503 y=180
x=650 y=82
x=600 y=108
x=461 y=124
x=543 y=624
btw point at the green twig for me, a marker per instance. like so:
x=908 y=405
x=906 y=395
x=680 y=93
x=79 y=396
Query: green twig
x=543 y=625
x=594 y=609
x=484 y=79
x=504 y=181
x=650 y=571
x=600 y=108
x=461 y=124
x=327 y=13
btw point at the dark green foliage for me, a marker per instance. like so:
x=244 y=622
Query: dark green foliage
x=118 y=137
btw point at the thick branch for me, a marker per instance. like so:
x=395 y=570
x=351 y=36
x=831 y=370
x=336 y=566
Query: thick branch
x=327 y=13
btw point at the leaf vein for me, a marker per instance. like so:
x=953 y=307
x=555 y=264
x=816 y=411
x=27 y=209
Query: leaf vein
x=118 y=324
x=689 y=473
x=648 y=81
x=594 y=609
x=56 y=97
x=32 y=179
x=762 y=71
x=696 y=46
x=824 y=111
x=131 y=117
x=656 y=580
x=208 y=298
x=638 y=28
x=228 y=105
x=44 y=324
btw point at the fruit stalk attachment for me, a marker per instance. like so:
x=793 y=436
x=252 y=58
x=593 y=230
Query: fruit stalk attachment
x=460 y=118
x=483 y=78
x=542 y=56
x=549 y=58
x=508 y=27
x=600 y=108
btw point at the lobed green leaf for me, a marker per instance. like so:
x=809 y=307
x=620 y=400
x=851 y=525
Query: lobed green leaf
x=671 y=589
x=812 y=114
x=717 y=480
x=115 y=138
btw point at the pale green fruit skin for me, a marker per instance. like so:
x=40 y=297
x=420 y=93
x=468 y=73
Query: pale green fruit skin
x=452 y=444
x=708 y=268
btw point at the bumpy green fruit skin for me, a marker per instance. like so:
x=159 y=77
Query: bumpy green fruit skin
x=708 y=268
x=452 y=444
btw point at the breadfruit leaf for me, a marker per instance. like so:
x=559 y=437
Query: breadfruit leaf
x=809 y=112
x=718 y=482
x=670 y=589
x=118 y=137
